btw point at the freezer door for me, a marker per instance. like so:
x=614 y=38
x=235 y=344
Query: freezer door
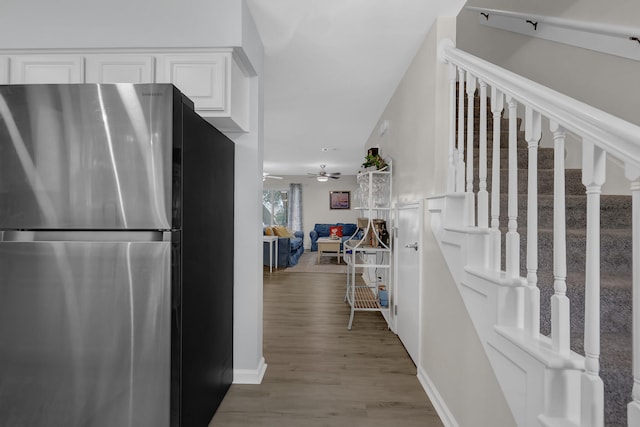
x=85 y=334
x=86 y=156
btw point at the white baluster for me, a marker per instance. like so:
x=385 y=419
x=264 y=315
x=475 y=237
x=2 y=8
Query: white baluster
x=559 y=301
x=592 y=395
x=513 y=237
x=633 y=409
x=533 y=131
x=460 y=168
x=451 y=173
x=497 y=104
x=483 y=195
x=470 y=199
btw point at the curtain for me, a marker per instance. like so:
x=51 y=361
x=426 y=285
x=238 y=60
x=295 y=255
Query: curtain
x=295 y=207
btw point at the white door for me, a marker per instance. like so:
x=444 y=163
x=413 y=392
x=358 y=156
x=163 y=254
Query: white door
x=407 y=253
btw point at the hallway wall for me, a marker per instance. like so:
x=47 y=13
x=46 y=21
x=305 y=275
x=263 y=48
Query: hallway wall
x=416 y=140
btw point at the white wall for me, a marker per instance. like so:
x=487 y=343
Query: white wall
x=78 y=24
x=248 y=360
x=315 y=200
x=605 y=81
x=452 y=355
x=27 y=24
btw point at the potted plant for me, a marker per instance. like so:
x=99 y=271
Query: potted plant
x=373 y=160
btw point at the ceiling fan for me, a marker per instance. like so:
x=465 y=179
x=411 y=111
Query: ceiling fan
x=266 y=175
x=323 y=175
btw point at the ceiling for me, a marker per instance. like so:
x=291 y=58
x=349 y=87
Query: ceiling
x=330 y=68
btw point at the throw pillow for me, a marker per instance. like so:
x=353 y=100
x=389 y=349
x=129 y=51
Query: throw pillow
x=335 y=231
x=268 y=231
x=282 y=231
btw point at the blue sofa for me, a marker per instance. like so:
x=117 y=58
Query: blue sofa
x=322 y=230
x=289 y=250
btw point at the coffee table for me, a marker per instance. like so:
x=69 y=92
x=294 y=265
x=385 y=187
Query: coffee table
x=328 y=247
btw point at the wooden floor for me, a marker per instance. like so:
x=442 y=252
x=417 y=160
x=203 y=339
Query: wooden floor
x=321 y=374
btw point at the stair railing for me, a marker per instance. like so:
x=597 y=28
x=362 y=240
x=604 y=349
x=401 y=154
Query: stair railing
x=601 y=134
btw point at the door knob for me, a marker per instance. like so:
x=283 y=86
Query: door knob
x=412 y=245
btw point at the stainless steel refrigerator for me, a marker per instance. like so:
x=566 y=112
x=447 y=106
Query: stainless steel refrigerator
x=116 y=257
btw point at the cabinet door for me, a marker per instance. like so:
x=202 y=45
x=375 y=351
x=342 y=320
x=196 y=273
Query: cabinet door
x=47 y=69
x=4 y=70
x=204 y=78
x=120 y=69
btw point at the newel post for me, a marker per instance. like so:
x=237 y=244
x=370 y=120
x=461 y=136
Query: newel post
x=592 y=388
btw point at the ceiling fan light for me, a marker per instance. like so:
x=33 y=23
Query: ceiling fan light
x=322 y=178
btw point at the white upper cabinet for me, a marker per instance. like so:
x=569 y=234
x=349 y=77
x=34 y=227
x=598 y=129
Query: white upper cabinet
x=214 y=82
x=47 y=69
x=120 y=69
x=201 y=77
x=4 y=70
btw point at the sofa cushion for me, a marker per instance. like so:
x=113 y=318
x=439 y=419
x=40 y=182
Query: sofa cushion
x=347 y=229
x=322 y=229
x=268 y=231
x=295 y=243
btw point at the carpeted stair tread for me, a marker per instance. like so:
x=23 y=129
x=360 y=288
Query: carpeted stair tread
x=615 y=306
x=573 y=181
x=615 y=211
x=577 y=278
x=615 y=245
x=614 y=232
x=545 y=159
x=504 y=139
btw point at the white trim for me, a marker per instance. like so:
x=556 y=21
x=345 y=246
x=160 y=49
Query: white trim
x=436 y=399
x=250 y=376
x=606 y=38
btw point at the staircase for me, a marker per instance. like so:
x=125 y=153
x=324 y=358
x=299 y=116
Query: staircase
x=615 y=264
x=546 y=273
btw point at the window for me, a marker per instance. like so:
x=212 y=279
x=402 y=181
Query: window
x=274 y=207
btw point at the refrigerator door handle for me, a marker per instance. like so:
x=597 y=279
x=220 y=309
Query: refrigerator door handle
x=84 y=236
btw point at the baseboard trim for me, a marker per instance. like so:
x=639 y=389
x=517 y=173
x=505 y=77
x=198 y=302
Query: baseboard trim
x=436 y=400
x=250 y=376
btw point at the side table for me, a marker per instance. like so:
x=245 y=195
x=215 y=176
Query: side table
x=271 y=240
